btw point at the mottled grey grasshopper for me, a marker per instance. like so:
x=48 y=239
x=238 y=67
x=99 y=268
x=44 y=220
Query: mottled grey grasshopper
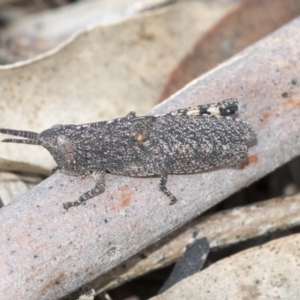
x=184 y=141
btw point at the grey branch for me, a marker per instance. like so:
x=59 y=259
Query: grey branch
x=221 y=229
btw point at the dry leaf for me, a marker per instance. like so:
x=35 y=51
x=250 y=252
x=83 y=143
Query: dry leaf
x=252 y=20
x=32 y=34
x=270 y=271
x=12 y=186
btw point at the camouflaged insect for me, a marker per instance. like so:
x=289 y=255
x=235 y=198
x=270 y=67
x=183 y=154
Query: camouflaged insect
x=189 y=140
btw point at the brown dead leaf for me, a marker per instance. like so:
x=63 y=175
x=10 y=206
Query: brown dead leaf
x=252 y=20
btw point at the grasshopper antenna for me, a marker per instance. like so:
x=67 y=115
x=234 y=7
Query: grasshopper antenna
x=31 y=137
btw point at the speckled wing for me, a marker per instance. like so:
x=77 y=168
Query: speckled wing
x=181 y=144
x=197 y=144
